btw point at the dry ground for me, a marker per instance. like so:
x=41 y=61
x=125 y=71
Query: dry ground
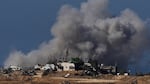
x=58 y=78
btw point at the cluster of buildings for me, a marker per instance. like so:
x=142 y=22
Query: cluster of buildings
x=87 y=68
x=62 y=66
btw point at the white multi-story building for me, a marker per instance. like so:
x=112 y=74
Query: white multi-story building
x=66 y=66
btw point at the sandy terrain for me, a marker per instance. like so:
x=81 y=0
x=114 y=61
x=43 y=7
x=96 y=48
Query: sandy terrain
x=58 y=78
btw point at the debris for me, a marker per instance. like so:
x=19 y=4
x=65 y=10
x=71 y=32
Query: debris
x=126 y=74
x=67 y=75
x=46 y=72
x=29 y=73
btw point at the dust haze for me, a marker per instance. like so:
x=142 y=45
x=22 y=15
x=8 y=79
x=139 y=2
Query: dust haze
x=90 y=32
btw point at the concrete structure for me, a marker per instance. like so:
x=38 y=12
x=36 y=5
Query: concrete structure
x=53 y=67
x=108 y=69
x=14 y=68
x=37 y=67
x=88 y=64
x=48 y=67
x=66 y=66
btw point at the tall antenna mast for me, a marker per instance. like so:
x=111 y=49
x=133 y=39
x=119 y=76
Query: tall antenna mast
x=66 y=54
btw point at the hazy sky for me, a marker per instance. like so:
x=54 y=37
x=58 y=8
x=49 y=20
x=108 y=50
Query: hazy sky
x=24 y=24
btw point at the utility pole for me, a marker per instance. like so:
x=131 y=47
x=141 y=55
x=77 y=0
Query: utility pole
x=66 y=54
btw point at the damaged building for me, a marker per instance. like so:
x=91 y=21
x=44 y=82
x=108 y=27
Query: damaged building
x=107 y=69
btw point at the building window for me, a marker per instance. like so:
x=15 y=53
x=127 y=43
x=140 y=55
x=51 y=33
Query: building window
x=71 y=67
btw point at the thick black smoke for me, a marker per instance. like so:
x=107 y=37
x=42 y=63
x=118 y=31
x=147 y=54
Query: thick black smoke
x=90 y=32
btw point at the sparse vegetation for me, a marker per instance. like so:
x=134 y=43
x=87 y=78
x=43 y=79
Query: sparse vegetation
x=78 y=63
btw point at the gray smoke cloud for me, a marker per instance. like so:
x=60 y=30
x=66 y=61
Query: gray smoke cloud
x=90 y=32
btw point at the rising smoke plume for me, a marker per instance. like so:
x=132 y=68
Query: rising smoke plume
x=90 y=32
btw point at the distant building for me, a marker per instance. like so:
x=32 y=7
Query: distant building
x=48 y=67
x=66 y=66
x=126 y=74
x=108 y=69
x=14 y=68
x=38 y=67
x=88 y=64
